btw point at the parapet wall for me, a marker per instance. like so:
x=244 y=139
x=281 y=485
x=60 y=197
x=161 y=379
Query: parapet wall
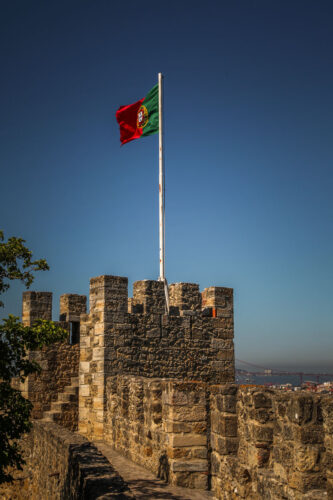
x=270 y=444
x=242 y=443
x=63 y=465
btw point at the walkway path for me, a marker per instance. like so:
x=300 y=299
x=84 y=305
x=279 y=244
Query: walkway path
x=143 y=484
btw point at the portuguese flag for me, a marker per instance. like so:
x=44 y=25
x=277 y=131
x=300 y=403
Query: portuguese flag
x=139 y=119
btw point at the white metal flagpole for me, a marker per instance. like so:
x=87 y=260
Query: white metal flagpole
x=161 y=176
x=161 y=190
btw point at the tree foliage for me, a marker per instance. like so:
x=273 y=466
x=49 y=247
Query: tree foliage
x=16 y=263
x=16 y=341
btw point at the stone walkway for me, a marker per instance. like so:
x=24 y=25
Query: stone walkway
x=143 y=484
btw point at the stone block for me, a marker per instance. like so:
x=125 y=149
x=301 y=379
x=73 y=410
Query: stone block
x=176 y=427
x=83 y=427
x=225 y=425
x=329 y=484
x=176 y=453
x=218 y=297
x=189 y=466
x=262 y=433
x=309 y=434
x=108 y=293
x=306 y=458
x=224 y=445
x=328 y=442
x=224 y=389
x=84 y=366
x=180 y=440
x=263 y=451
x=36 y=305
x=185 y=296
x=150 y=294
x=306 y=481
x=302 y=409
x=226 y=404
x=84 y=341
x=98 y=378
x=262 y=400
x=222 y=344
x=327 y=413
x=99 y=328
x=226 y=355
x=98 y=430
x=98 y=353
x=86 y=354
x=84 y=390
x=200 y=452
x=184 y=414
x=72 y=306
x=190 y=479
x=225 y=333
x=184 y=394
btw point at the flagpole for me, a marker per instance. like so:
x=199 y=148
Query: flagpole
x=161 y=190
x=161 y=176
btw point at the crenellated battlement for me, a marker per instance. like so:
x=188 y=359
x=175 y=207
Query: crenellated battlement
x=110 y=294
x=135 y=337
x=184 y=297
x=148 y=297
x=72 y=306
x=36 y=305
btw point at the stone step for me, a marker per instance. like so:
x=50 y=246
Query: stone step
x=50 y=414
x=70 y=389
x=46 y=418
x=66 y=401
x=67 y=397
x=60 y=405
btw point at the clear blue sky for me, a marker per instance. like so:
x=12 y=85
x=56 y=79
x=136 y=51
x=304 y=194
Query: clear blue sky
x=249 y=150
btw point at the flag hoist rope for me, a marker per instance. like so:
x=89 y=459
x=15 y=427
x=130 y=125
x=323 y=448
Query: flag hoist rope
x=161 y=192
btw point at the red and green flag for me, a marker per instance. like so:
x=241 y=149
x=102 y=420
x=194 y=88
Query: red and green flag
x=140 y=118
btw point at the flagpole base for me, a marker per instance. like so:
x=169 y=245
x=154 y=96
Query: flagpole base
x=166 y=292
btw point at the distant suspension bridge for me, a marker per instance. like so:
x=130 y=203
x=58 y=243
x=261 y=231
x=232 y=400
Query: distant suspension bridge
x=266 y=372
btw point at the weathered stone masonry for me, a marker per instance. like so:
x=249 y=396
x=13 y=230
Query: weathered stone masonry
x=270 y=444
x=61 y=465
x=161 y=424
x=160 y=389
x=187 y=345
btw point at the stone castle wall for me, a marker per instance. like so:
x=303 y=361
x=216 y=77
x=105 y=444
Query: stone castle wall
x=160 y=389
x=63 y=465
x=189 y=344
x=240 y=442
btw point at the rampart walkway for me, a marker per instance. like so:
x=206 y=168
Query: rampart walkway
x=143 y=484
